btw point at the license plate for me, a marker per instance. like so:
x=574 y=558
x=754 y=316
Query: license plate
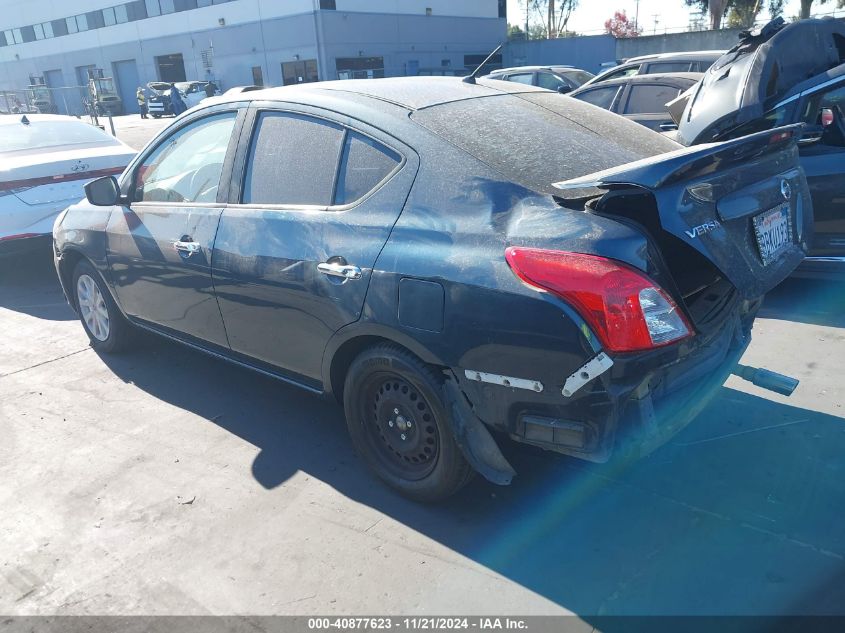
x=773 y=230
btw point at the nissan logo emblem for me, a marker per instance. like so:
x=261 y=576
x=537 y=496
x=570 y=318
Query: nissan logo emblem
x=80 y=166
x=785 y=190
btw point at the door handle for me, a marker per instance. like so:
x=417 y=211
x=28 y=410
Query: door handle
x=185 y=245
x=346 y=271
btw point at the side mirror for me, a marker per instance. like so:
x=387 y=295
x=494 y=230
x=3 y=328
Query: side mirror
x=827 y=117
x=103 y=192
x=564 y=90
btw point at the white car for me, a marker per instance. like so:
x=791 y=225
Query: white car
x=45 y=161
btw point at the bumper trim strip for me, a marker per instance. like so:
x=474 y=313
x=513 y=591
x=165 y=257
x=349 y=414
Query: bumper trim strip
x=593 y=368
x=504 y=381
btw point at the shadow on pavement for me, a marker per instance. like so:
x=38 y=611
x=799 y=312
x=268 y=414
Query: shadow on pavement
x=810 y=301
x=28 y=284
x=740 y=514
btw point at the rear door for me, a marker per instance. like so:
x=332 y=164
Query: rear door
x=823 y=159
x=314 y=201
x=160 y=241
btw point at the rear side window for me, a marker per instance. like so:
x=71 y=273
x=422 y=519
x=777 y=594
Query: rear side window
x=522 y=78
x=364 y=165
x=550 y=81
x=668 y=67
x=601 y=97
x=650 y=98
x=292 y=161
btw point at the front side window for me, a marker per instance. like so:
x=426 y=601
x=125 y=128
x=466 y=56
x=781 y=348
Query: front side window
x=601 y=97
x=624 y=72
x=650 y=98
x=826 y=111
x=292 y=161
x=186 y=167
x=365 y=164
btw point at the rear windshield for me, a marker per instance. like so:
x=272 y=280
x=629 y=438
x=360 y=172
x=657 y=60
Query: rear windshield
x=42 y=134
x=537 y=138
x=580 y=77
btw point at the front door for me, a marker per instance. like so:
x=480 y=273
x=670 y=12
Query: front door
x=160 y=242
x=296 y=248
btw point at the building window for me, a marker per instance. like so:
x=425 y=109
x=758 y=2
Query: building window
x=48 y=30
x=95 y=20
x=185 y=5
x=503 y=9
x=359 y=67
x=39 y=31
x=28 y=33
x=82 y=23
x=71 y=25
x=59 y=27
x=18 y=37
x=109 y=18
x=257 y=76
x=120 y=14
x=152 y=8
x=167 y=6
x=3 y=38
x=136 y=10
x=203 y=3
x=328 y=5
x=299 y=72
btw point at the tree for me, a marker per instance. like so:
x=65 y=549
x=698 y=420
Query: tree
x=619 y=26
x=515 y=33
x=742 y=12
x=550 y=16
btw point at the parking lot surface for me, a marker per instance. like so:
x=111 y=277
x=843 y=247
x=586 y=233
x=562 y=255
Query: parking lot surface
x=165 y=482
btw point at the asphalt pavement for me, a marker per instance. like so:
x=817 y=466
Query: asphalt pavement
x=162 y=481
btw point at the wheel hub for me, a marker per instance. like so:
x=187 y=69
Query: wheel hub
x=403 y=426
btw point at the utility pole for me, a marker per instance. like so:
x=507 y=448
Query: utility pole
x=552 y=31
x=656 y=17
x=527 y=14
x=637 y=17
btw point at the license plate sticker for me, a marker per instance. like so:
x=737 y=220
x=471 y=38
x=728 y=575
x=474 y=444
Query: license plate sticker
x=773 y=230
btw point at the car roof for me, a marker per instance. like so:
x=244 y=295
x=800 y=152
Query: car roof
x=706 y=55
x=561 y=67
x=15 y=118
x=641 y=79
x=411 y=93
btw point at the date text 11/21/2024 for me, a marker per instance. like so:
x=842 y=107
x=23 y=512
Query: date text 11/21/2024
x=418 y=623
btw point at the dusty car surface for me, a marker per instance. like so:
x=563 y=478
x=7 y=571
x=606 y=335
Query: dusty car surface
x=45 y=160
x=660 y=64
x=446 y=258
x=640 y=98
x=785 y=74
x=561 y=79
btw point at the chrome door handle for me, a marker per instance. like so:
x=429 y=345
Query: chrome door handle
x=340 y=270
x=186 y=247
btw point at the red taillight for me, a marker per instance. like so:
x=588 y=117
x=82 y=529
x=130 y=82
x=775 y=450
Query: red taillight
x=627 y=310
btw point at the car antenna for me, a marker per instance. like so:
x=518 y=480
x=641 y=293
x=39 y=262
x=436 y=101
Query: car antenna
x=470 y=79
x=24 y=120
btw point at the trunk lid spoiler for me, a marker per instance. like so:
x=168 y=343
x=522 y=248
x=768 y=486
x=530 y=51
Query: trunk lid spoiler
x=707 y=195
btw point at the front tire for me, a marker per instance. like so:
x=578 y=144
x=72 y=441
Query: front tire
x=399 y=424
x=102 y=320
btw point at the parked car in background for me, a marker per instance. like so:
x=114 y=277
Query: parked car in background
x=660 y=63
x=192 y=92
x=444 y=279
x=785 y=74
x=641 y=98
x=241 y=89
x=45 y=160
x=158 y=102
x=559 y=78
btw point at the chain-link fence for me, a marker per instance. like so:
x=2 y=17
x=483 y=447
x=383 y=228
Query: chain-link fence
x=72 y=100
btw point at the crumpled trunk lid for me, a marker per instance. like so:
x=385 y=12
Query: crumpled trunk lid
x=743 y=205
x=757 y=74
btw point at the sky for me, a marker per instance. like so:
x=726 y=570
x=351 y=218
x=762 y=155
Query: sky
x=590 y=16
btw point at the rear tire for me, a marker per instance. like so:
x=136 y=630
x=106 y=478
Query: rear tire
x=399 y=424
x=106 y=327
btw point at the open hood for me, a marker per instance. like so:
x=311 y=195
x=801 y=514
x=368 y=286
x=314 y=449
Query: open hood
x=758 y=73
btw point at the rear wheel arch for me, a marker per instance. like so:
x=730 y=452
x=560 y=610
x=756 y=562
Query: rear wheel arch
x=344 y=352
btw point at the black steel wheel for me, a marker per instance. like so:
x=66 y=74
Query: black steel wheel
x=398 y=423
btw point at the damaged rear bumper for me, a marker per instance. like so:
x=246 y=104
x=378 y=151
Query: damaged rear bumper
x=630 y=407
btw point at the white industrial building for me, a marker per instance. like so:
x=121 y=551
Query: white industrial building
x=238 y=42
